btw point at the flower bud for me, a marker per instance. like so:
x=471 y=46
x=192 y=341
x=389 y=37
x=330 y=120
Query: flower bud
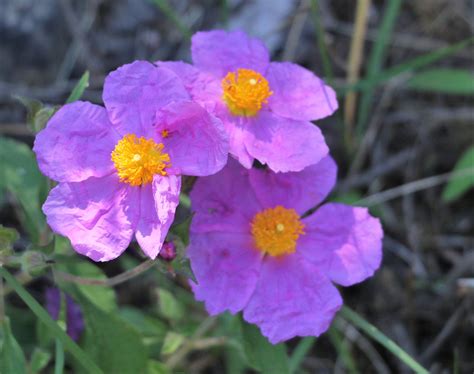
x=168 y=252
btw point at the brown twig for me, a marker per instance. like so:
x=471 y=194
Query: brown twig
x=354 y=63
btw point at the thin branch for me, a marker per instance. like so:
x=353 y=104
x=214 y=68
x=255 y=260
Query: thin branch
x=110 y=282
x=412 y=187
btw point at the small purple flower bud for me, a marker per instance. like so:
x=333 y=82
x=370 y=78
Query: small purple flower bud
x=168 y=252
x=74 y=319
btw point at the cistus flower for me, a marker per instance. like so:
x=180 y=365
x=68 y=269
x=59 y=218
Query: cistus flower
x=74 y=320
x=254 y=247
x=119 y=167
x=265 y=106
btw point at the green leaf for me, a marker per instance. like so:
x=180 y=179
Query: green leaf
x=19 y=174
x=172 y=342
x=37 y=113
x=442 y=80
x=146 y=325
x=407 y=67
x=111 y=341
x=153 y=330
x=261 y=354
x=457 y=186
x=79 y=89
x=42 y=117
x=39 y=360
x=12 y=359
x=155 y=367
x=170 y=308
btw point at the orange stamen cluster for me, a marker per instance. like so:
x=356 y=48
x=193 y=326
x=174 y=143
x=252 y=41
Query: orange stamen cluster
x=137 y=160
x=276 y=230
x=245 y=91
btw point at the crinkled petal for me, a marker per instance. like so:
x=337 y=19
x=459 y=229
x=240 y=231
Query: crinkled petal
x=284 y=144
x=344 y=242
x=301 y=190
x=203 y=87
x=219 y=52
x=157 y=208
x=224 y=202
x=226 y=267
x=76 y=144
x=196 y=141
x=292 y=298
x=134 y=92
x=298 y=93
x=98 y=215
x=236 y=128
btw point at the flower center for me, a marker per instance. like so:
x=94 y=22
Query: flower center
x=276 y=230
x=137 y=160
x=245 y=91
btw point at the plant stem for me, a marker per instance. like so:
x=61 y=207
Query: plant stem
x=59 y=358
x=378 y=336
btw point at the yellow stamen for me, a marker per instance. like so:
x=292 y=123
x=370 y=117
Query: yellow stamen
x=245 y=91
x=165 y=133
x=137 y=160
x=276 y=230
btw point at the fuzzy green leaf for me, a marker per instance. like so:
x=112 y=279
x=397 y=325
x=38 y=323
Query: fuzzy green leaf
x=12 y=359
x=442 y=80
x=19 y=175
x=111 y=341
x=457 y=186
x=79 y=89
x=261 y=354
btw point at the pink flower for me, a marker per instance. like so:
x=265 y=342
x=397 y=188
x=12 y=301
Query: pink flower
x=265 y=106
x=119 y=167
x=254 y=248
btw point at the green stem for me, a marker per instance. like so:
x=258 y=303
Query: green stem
x=59 y=360
x=299 y=353
x=2 y=302
x=44 y=317
x=378 y=336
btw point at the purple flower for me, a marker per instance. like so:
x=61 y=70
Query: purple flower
x=119 y=167
x=265 y=106
x=254 y=249
x=74 y=320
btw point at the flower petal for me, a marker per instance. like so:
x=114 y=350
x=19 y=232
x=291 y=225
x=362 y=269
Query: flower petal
x=344 y=242
x=98 y=215
x=298 y=93
x=284 y=144
x=219 y=52
x=236 y=128
x=224 y=202
x=134 y=92
x=196 y=141
x=301 y=190
x=204 y=88
x=76 y=144
x=292 y=298
x=226 y=269
x=157 y=208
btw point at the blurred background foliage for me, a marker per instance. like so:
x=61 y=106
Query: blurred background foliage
x=403 y=139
